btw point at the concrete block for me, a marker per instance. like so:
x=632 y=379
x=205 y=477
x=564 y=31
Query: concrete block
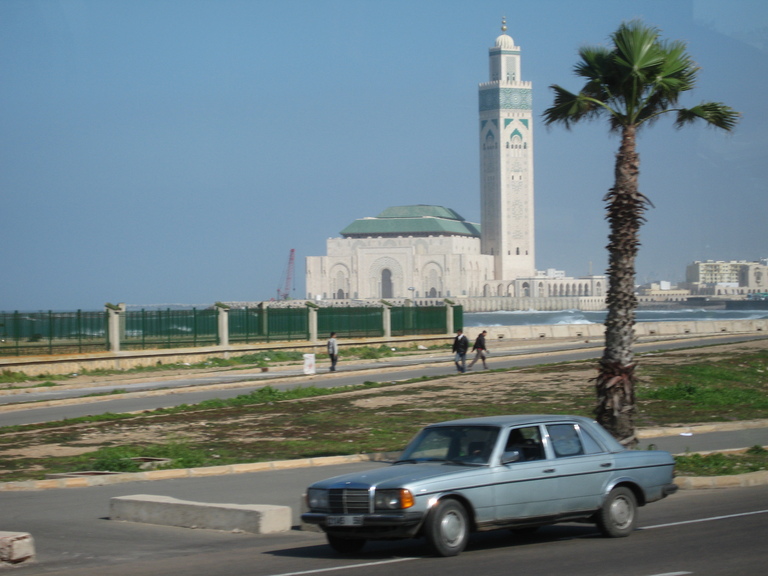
x=167 y=511
x=16 y=547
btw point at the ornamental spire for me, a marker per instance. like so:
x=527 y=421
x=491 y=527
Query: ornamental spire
x=503 y=24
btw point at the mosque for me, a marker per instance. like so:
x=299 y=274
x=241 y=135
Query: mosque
x=426 y=251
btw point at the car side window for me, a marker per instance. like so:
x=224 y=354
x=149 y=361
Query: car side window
x=565 y=440
x=591 y=445
x=527 y=441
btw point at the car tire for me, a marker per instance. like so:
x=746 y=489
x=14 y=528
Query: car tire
x=618 y=515
x=345 y=545
x=447 y=528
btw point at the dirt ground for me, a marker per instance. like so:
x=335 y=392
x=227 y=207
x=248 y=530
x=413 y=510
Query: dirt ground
x=544 y=384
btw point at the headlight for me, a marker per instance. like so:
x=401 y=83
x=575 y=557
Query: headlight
x=393 y=499
x=317 y=498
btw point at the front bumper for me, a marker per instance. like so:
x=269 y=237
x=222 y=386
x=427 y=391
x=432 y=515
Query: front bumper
x=378 y=525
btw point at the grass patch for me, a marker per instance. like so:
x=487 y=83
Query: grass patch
x=754 y=459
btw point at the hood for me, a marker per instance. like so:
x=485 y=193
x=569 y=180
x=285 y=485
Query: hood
x=400 y=476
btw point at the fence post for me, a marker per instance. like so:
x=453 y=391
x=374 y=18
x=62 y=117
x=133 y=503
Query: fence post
x=312 y=307
x=223 y=323
x=448 y=316
x=386 y=318
x=114 y=318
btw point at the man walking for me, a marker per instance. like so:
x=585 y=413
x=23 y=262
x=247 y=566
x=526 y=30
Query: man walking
x=480 y=350
x=333 y=351
x=460 y=346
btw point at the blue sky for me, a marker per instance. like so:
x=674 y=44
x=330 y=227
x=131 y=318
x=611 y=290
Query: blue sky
x=175 y=151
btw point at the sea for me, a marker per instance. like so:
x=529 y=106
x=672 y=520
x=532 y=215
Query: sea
x=539 y=318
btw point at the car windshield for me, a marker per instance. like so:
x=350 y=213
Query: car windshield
x=453 y=444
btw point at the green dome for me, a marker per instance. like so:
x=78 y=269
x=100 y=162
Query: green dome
x=418 y=220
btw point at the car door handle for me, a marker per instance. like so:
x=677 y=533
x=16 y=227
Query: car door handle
x=549 y=470
x=606 y=465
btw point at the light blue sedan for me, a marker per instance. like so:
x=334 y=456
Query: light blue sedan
x=476 y=474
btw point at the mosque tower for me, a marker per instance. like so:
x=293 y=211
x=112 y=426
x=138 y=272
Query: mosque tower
x=506 y=163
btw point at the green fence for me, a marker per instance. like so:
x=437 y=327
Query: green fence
x=419 y=320
x=34 y=333
x=351 y=322
x=29 y=334
x=158 y=329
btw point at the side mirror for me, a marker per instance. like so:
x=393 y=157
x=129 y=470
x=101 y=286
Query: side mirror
x=511 y=456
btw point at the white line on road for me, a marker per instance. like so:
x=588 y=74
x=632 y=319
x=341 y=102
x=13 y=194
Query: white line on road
x=333 y=568
x=673 y=574
x=704 y=520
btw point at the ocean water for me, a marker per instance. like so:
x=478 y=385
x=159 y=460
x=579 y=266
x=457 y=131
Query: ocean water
x=538 y=318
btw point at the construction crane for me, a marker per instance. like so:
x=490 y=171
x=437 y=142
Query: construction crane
x=284 y=293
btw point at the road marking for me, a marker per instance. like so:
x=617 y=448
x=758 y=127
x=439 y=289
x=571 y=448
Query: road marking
x=704 y=520
x=333 y=568
x=672 y=574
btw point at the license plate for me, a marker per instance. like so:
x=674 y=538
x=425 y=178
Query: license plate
x=344 y=520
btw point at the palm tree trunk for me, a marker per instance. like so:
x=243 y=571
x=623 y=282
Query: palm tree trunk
x=615 y=383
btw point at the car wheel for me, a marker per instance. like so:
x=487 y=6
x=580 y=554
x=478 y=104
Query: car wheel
x=447 y=528
x=618 y=515
x=345 y=545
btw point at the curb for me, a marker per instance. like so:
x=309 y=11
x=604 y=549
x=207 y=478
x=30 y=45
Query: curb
x=151 y=475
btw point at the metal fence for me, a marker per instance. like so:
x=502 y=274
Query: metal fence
x=36 y=333
x=158 y=329
x=351 y=322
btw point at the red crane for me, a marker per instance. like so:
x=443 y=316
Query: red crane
x=284 y=294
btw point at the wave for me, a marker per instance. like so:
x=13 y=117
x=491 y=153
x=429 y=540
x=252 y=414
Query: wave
x=542 y=317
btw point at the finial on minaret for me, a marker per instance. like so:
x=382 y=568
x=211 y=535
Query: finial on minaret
x=503 y=24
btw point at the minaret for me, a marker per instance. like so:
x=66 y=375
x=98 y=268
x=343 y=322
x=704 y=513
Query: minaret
x=506 y=163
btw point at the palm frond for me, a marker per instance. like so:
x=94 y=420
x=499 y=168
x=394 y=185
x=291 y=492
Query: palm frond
x=569 y=108
x=715 y=114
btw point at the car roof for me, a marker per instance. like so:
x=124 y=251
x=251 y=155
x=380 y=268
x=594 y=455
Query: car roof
x=514 y=420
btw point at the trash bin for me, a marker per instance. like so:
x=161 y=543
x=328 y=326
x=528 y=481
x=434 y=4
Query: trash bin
x=309 y=363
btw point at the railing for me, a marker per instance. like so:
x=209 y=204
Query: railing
x=28 y=334
x=34 y=333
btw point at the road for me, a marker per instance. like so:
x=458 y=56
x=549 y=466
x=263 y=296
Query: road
x=706 y=533
x=161 y=393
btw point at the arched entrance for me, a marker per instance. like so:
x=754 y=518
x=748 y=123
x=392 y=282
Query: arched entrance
x=386 y=283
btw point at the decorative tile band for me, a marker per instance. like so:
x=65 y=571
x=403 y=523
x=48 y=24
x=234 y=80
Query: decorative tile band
x=506 y=99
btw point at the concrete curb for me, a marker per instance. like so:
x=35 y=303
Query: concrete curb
x=150 y=475
x=16 y=548
x=168 y=511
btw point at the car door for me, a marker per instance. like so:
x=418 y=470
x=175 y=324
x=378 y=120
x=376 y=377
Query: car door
x=526 y=488
x=581 y=466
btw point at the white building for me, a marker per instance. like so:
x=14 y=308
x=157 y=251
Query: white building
x=721 y=278
x=427 y=251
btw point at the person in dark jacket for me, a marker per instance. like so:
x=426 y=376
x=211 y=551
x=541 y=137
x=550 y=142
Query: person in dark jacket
x=480 y=350
x=460 y=347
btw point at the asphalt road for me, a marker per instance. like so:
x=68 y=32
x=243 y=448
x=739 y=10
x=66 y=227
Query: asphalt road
x=708 y=532
x=162 y=393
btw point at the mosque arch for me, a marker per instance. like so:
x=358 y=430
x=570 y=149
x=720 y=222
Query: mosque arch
x=432 y=280
x=526 y=290
x=339 y=277
x=386 y=277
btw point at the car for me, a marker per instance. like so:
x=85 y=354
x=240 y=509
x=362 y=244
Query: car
x=497 y=472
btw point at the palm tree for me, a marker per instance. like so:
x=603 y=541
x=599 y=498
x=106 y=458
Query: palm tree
x=632 y=83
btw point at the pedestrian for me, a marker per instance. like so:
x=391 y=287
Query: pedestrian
x=460 y=346
x=333 y=351
x=480 y=350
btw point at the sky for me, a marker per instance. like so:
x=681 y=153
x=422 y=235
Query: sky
x=159 y=152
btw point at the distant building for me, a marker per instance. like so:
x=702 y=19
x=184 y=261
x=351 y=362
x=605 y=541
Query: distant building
x=427 y=251
x=720 y=278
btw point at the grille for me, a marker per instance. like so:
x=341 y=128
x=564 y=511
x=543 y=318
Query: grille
x=347 y=501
